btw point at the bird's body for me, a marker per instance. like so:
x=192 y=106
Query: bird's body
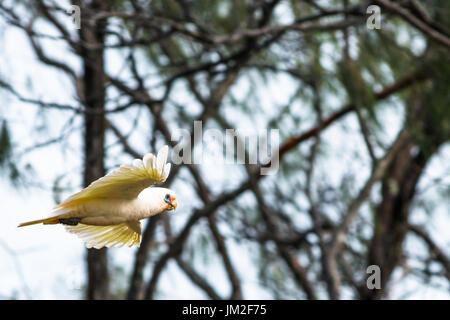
x=104 y=212
x=107 y=212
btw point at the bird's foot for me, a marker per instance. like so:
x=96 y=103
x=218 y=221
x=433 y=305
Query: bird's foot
x=70 y=221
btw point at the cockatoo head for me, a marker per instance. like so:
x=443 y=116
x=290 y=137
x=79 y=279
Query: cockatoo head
x=159 y=199
x=170 y=199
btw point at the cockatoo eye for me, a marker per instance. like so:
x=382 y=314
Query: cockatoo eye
x=167 y=198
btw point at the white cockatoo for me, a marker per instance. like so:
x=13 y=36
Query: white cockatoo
x=107 y=212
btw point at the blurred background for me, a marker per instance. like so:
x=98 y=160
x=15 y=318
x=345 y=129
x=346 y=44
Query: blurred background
x=358 y=91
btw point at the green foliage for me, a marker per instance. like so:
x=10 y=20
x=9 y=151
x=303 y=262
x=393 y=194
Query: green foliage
x=430 y=102
x=438 y=97
x=380 y=49
x=359 y=92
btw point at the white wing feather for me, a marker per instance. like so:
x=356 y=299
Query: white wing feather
x=125 y=182
x=129 y=234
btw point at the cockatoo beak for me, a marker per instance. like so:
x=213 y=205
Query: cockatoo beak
x=173 y=203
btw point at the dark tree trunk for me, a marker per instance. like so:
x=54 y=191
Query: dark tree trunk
x=391 y=220
x=93 y=86
x=398 y=191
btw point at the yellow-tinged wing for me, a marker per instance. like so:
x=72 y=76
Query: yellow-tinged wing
x=129 y=233
x=125 y=182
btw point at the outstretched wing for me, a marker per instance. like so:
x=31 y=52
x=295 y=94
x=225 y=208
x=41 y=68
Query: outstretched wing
x=129 y=233
x=125 y=182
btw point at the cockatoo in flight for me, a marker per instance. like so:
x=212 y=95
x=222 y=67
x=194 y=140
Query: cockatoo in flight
x=107 y=212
